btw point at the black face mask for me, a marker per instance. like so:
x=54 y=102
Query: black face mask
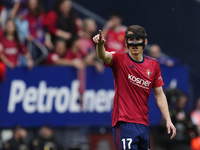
x=134 y=38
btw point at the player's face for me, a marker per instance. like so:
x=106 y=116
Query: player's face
x=135 y=49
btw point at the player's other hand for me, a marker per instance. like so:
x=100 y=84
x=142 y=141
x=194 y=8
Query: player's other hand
x=170 y=127
x=99 y=39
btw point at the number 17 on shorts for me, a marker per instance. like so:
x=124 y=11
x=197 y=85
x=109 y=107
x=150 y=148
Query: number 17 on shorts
x=125 y=142
x=131 y=136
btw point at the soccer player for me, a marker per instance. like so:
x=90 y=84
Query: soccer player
x=134 y=76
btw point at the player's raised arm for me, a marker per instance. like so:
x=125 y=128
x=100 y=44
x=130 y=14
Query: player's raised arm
x=101 y=52
x=163 y=106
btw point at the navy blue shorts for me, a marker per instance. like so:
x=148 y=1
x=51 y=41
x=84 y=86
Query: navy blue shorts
x=131 y=136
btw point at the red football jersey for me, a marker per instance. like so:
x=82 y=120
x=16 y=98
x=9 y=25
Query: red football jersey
x=1 y=8
x=11 y=50
x=52 y=58
x=74 y=55
x=133 y=83
x=115 y=41
x=87 y=46
x=1 y=32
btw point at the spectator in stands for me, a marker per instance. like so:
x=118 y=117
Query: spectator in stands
x=22 y=25
x=155 y=51
x=35 y=17
x=36 y=39
x=11 y=47
x=87 y=45
x=3 y=16
x=2 y=69
x=182 y=121
x=2 y=19
x=62 y=22
x=195 y=116
x=1 y=9
x=18 y=140
x=58 y=56
x=19 y=5
x=114 y=33
x=45 y=140
x=75 y=54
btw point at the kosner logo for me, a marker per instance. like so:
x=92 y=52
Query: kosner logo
x=139 y=82
x=43 y=99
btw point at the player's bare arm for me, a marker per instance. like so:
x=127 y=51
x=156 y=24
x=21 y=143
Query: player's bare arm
x=101 y=52
x=163 y=106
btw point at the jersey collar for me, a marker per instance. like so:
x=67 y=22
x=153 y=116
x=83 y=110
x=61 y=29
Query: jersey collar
x=139 y=62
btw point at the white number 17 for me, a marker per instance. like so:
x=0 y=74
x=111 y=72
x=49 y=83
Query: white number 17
x=129 y=143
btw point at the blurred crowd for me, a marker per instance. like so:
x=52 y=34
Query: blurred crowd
x=49 y=138
x=30 y=37
x=186 y=122
x=43 y=140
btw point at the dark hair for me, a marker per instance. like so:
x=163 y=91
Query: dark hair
x=1 y=2
x=56 y=6
x=181 y=95
x=60 y=40
x=49 y=126
x=116 y=14
x=15 y=34
x=38 y=10
x=74 y=39
x=135 y=29
x=17 y=128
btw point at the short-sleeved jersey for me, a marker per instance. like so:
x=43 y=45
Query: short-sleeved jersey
x=11 y=50
x=133 y=82
x=87 y=46
x=70 y=55
x=52 y=58
x=115 y=41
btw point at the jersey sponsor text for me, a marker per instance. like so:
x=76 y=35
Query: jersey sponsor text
x=139 y=82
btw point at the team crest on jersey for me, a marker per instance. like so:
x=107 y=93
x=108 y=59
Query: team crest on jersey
x=148 y=73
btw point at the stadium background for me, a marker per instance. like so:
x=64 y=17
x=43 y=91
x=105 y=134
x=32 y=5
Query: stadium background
x=174 y=25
